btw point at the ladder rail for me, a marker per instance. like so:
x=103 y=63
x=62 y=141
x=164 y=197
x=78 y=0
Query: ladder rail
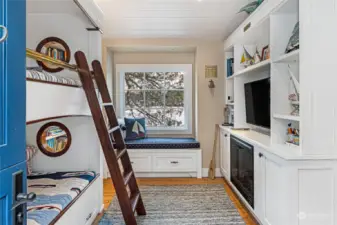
x=105 y=139
x=126 y=162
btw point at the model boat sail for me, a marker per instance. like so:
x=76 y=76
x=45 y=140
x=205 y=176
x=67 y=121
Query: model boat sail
x=138 y=128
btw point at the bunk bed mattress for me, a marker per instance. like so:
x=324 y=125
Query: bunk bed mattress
x=45 y=76
x=54 y=192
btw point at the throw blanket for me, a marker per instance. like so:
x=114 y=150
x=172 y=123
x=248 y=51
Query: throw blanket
x=54 y=192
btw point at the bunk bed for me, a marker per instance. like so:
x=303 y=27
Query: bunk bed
x=67 y=192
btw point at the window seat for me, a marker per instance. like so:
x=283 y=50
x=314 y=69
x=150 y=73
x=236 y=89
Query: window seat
x=163 y=143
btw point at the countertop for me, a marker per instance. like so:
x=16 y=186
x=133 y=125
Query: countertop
x=264 y=142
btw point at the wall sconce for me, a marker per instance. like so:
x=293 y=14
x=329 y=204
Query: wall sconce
x=211 y=72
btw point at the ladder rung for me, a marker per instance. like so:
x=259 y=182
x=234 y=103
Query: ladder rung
x=120 y=153
x=134 y=201
x=127 y=176
x=107 y=104
x=114 y=129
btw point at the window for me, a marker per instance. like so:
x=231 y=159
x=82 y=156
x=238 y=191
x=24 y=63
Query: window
x=160 y=93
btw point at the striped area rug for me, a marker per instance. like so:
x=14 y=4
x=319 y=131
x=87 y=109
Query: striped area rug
x=181 y=205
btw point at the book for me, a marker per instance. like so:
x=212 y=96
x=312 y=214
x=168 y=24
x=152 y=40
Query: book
x=230 y=63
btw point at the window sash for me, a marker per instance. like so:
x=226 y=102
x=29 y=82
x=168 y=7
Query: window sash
x=121 y=69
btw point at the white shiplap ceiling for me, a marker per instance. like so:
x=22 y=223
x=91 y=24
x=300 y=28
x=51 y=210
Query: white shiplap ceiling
x=207 y=19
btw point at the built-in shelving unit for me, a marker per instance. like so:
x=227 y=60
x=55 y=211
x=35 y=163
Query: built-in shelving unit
x=288 y=168
x=272 y=29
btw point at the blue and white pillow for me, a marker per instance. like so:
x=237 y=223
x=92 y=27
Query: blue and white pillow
x=135 y=128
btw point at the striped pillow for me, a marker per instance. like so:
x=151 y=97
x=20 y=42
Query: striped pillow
x=31 y=151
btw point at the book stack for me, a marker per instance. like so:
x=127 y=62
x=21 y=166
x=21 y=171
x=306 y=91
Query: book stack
x=230 y=64
x=57 y=53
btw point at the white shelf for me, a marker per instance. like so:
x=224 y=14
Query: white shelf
x=287 y=117
x=294 y=102
x=291 y=57
x=254 y=68
x=230 y=104
x=56 y=135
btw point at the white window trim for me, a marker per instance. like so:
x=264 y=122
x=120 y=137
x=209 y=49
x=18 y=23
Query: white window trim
x=121 y=69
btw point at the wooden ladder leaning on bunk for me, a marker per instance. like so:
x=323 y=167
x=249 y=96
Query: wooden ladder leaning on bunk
x=111 y=139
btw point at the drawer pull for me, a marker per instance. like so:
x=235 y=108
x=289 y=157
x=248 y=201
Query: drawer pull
x=131 y=162
x=174 y=162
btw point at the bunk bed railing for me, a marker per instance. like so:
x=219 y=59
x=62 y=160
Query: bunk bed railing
x=44 y=58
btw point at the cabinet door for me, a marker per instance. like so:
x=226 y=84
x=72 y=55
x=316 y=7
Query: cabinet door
x=271 y=191
x=259 y=183
x=226 y=156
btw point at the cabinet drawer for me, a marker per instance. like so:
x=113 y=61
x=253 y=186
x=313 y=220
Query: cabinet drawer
x=169 y=163
x=141 y=163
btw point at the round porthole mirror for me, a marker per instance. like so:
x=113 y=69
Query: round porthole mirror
x=53 y=139
x=56 y=48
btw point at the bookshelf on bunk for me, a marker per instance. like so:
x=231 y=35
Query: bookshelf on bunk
x=111 y=139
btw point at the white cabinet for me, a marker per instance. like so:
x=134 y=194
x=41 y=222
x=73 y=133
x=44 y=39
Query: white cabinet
x=271 y=189
x=225 y=154
x=166 y=162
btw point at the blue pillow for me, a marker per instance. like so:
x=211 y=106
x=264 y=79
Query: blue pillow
x=135 y=128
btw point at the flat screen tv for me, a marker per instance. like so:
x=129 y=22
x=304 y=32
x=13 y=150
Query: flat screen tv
x=257 y=96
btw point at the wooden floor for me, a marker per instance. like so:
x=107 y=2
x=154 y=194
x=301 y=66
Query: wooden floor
x=109 y=192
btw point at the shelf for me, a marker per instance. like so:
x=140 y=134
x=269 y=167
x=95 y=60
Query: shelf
x=291 y=57
x=56 y=135
x=230 y=104
x=287 y=117
x=254 y=68
x=294 y=102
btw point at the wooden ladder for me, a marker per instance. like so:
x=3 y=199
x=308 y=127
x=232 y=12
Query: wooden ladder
x=111 y=139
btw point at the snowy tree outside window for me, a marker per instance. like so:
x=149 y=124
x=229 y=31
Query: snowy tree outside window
x=163 y=97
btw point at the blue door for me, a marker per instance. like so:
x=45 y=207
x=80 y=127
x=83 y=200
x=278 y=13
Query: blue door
x=12 y=112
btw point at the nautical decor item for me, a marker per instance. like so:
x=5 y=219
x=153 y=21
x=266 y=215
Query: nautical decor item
x=265 y=53
x=251 y=7
x=294 y=97
x=211 y=169
x=53 y=139
x=294 y=41
x=55 y=48
x=211 y=84
x=246 y=59
x=257 y=57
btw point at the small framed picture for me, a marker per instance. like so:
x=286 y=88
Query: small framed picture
x=265 y=53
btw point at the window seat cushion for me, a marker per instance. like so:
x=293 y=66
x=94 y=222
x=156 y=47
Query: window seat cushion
x=163 y=143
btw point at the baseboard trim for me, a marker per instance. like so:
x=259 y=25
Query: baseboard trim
x=217 y=172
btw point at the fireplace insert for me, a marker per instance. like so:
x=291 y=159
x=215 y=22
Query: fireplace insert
x=242 y=168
